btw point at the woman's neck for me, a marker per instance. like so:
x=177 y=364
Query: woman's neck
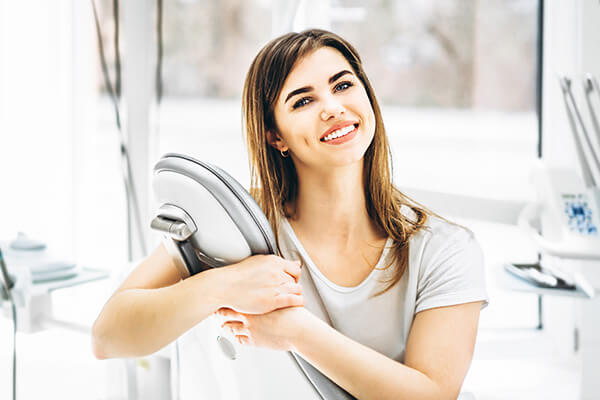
x=331 y=207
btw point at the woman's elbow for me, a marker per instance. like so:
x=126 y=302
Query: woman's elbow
x=98 y=342
x=98 y=353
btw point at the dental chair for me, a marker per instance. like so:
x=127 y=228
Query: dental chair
x=209 y=220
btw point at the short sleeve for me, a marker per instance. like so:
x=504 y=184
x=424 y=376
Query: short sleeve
x=451 y=271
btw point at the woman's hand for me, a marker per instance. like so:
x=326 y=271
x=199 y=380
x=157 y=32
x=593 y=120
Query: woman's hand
x=276 y=330
x=260 y=284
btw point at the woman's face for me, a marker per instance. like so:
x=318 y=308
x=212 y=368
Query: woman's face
x=323 y=114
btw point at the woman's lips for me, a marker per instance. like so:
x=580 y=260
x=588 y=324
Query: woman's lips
x=337 y=127
x=343 y=139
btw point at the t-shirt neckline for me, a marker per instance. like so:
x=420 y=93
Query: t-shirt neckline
x=314 y=270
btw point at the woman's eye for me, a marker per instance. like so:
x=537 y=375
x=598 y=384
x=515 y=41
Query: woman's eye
x=342 y=86
x=302 y=102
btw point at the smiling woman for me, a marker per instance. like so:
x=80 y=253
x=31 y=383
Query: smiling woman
x=401 y=288
x=377 y=258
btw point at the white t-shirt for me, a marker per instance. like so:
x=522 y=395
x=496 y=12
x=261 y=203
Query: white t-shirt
x=445 y=268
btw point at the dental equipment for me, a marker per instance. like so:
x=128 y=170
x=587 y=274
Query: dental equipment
x=28 y=275
x=35 y=272
x=7 y=284
x=571 y=204
x=572 y=215
x=221 y=203
x=590 y=85
x=568 y=205
x=209 y=220
x=588 y=152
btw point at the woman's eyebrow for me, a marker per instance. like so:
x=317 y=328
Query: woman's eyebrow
x=305 y=89
x=337 y=76
x=298 y=91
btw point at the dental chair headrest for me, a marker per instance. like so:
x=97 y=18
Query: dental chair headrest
x=208 y=218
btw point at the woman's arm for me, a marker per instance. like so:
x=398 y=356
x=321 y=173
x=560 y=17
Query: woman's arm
x=438 y=351
x=153 y=306
x=438 y=354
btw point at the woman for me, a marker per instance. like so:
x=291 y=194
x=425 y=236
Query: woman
x=402 y=287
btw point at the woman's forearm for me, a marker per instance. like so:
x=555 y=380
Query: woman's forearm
x=361 y=371
x=138 y=322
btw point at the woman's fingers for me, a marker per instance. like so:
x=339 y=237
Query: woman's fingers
x=231 y=315
x=237 y=328
x=293 y=268
x=240 y=331
x=256 y=283
x=242 y=339
x=290 y=288
x=289 y=300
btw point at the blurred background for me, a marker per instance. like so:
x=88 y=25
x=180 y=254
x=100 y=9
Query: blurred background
x=470 y=101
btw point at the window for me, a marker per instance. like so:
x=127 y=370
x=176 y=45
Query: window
x=456 y=81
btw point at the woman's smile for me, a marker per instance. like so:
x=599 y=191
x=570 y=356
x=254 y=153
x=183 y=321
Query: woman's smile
x=340 y=133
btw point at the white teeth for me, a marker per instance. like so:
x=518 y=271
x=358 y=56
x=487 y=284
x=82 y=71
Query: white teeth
x=339 y=133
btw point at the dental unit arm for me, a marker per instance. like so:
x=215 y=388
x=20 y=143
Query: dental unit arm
x=209 y=220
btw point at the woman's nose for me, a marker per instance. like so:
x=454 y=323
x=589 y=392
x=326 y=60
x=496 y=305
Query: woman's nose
x=331 y=108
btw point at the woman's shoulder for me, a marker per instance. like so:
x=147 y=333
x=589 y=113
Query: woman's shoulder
x=443 y=242
x=448 y=263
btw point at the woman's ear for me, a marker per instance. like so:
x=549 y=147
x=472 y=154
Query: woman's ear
x=276 y=141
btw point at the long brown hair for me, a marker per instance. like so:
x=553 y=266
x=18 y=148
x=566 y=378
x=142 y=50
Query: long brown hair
x=274 y=182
